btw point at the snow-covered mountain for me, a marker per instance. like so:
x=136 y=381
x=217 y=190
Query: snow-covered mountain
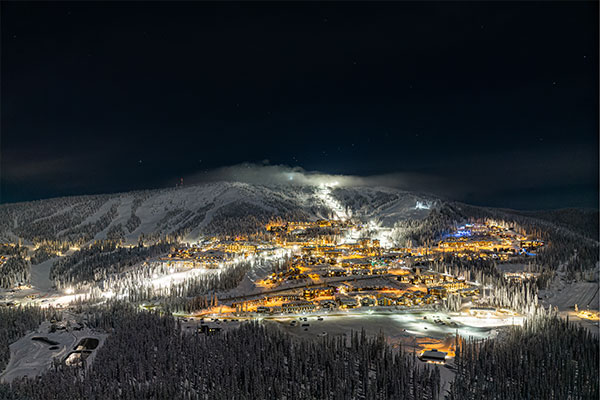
x=221 y=207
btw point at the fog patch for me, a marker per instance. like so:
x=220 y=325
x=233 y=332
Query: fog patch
x=269 y=175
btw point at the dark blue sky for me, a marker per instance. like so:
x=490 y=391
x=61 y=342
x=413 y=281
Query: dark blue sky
x=497 y=99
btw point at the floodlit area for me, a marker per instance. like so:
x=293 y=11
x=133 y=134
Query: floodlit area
x=419 y=331
x=324 y=194
x=177 y=277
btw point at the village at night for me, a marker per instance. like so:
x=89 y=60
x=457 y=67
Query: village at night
x=431 y=282
x=299 y=201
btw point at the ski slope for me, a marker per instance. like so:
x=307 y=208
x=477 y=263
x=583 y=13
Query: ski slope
x=202 y=209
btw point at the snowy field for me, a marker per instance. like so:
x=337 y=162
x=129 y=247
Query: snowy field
x=417 y=330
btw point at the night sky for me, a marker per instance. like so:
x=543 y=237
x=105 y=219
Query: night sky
x=499 y=100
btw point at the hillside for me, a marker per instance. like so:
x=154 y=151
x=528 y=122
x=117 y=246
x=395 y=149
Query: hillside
x=191 y=211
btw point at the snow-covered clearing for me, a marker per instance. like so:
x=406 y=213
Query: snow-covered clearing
x=565 y=295
x=40 y=275
x=31 y=357
x=408 y=329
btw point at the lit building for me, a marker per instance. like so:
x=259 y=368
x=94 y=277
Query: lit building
x=433 y=356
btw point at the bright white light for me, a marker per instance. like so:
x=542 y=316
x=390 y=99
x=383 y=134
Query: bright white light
x=69 y=290
x=324 y=194
x=165 y=281
x=422 y=205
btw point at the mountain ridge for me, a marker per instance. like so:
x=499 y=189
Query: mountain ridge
x=200 y=209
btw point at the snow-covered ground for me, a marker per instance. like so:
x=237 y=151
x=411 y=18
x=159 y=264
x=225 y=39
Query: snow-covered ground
x=30 y=358
x=40 y=275
x=565 y=295
x=408 y=328
x=382 y=204
x=196 y=207
x=337 y=209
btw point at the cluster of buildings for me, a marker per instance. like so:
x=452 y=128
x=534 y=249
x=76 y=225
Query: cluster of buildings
x=279 y=227
x=520 y=276
x=487 y=241
x=402 y=288
x=327 y=271
x=197 y=257
x=319 y=243
x=326 y=261
x=214 y=252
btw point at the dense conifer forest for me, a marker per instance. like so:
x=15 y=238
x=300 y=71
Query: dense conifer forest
x=147 y=356
x=547 y=358
x=15 y=271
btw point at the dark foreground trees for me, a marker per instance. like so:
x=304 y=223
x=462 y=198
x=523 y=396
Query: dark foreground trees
x=547 y=358
x=147 y=357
